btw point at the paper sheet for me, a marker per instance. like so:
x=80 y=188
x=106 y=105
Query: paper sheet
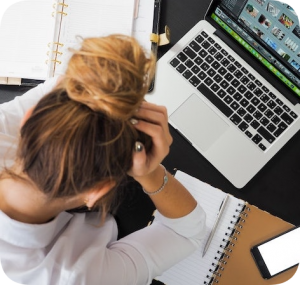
x=194 y=269
x=142 y=25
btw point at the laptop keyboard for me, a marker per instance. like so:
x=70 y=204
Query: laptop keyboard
x=237 y=93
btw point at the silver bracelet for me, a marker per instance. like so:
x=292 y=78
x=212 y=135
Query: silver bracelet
x=166 y=179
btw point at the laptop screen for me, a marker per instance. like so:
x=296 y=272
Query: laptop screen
x=269 y=30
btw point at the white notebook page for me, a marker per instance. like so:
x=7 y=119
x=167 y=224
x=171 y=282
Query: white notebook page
x=194 y=269
x=93 y=18
x=143 y=24
x=26 y=29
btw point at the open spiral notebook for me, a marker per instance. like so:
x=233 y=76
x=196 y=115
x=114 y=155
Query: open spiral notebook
x=30 y=52
x=228 y=259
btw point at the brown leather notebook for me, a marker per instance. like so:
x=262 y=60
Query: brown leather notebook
x=240 y=268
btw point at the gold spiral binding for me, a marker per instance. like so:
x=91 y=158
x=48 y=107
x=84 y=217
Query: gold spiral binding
x=59 y=12
x=56 y=43
x=54 y=51
x=60 y=4
x=53 y=60
x=63 y=4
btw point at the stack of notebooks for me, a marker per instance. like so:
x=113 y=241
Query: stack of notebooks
x=36 y=35
x=228 y=260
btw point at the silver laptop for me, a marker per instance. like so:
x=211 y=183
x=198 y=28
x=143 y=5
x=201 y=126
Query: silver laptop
x=231 y=85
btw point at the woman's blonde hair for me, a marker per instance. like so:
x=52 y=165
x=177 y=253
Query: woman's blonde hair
x=110 y=75
x=79 y=135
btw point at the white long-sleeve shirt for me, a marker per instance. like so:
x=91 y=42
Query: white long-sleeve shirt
x=72 y=248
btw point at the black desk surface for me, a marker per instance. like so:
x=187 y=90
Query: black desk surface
x=274 y=189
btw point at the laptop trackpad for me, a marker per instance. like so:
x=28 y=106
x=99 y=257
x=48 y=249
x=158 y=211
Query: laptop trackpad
x=200 y=124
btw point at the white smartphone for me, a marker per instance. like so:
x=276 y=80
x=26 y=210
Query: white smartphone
x=278 y=254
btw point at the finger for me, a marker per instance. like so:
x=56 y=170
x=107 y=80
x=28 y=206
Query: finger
x=151 y=111
x=153 y=129
x=160 y=140
x=142 y=163
x=157 y=115
x=139 y=160
x=150 y=106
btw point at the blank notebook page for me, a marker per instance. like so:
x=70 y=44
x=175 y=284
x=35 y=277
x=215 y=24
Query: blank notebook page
x=35 y=35
x=93 y=18
x=194 y=269
x=26 y=29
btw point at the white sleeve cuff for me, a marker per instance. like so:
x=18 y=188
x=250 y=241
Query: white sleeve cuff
x=188 y=226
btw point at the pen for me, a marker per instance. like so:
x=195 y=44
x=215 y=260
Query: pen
x=213 y=230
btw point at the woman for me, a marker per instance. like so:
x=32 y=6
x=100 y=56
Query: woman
x=76 y=147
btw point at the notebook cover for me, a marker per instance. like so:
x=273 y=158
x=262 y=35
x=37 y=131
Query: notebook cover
x=241 y=268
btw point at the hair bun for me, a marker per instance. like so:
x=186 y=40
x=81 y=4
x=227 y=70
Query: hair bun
x=109 y=74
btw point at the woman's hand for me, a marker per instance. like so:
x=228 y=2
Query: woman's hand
x=170 y=197
x=153 y=121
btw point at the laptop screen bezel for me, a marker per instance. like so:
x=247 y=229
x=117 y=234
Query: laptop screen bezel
x=240 y=50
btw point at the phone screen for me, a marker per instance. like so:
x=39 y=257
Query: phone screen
x=278 y=254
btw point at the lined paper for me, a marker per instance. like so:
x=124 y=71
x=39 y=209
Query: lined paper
x=93 y=18
x=195 y=269
x=28 y=28
x=23 y=49
x=143 y=24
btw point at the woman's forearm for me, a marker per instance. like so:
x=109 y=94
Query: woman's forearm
x=174 y=200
